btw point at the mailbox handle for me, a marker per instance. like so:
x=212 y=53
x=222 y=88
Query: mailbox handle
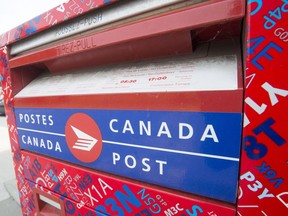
x=47 y=204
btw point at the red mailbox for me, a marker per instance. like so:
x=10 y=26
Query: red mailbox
x=139 y=108
x=151 y=121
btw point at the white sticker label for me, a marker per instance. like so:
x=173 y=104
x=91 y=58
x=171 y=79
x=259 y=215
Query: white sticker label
x=180 y=74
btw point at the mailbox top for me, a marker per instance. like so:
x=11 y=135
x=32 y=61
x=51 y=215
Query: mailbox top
x=57 y=15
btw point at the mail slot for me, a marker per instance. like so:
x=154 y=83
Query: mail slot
x=47 y=204
x=174 y=122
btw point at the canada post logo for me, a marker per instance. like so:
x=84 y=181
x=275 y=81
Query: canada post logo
x=83 y=137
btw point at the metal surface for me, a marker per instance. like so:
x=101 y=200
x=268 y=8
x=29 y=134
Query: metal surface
x=184 y=19
x=100 y=17
x=66 y=11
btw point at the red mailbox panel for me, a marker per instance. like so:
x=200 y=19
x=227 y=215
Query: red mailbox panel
x=263 y=189
x=113 y=195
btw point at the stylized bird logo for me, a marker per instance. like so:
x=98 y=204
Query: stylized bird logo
x=84 y=142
